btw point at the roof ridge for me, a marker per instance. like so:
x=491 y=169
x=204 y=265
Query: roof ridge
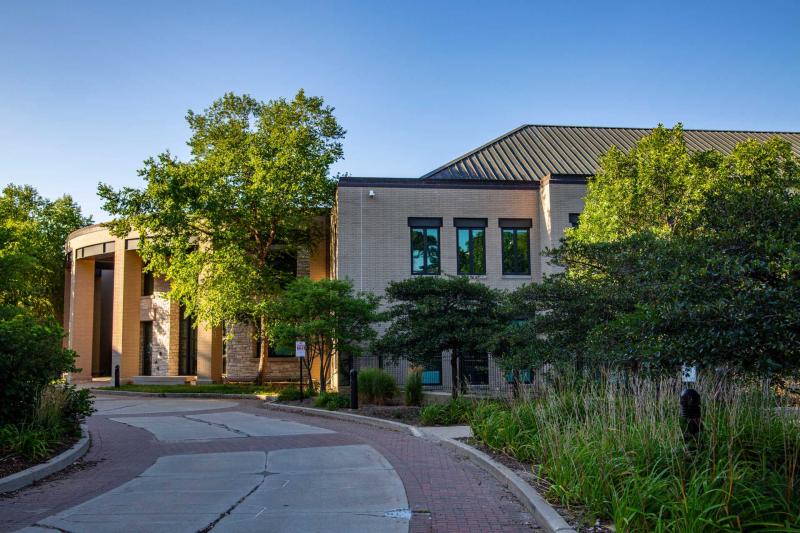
x=478 y=149
x=797 y=132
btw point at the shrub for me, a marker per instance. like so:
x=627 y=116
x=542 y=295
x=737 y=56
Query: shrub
x=57 y=413
x=618 y=451
x=290 y=394
x=447 y=414
x=332 y=401
x=375 y=386
x=31 y=356
x=413 y=388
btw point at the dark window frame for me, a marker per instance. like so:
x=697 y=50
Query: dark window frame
x=148 y=284
x=425 y=225
x=574 y=219
x=146 y=347
x=471 y=252
x=517 y=256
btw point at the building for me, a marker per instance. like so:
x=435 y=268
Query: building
x=488 y=214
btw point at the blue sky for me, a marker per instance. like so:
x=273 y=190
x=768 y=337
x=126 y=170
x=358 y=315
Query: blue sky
x=90 y=89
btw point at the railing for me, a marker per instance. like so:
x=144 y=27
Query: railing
x=482 y=375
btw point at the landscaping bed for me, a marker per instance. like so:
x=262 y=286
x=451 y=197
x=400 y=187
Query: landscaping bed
x=618 y=453
x=12 y=462
x=224 y=388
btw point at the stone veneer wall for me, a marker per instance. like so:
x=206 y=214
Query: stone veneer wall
x=163 y=313
x=239 y=351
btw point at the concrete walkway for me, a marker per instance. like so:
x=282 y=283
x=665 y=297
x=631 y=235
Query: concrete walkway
x=186 y=465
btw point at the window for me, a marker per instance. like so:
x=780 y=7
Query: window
x=432 y=372
x=425 y=245
x=281 y=350
x=574 y=219
x=147 y=283
x=187 y=350
x=471 y=245
x=515 y=233
x=146 y=340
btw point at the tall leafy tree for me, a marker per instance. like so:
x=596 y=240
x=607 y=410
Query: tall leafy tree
x=223 y=225
x=33 y=231
x=430 y=315
x=680 y=258
x=328 y=315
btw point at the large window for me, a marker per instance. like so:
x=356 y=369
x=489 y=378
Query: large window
x=146 y=340
x=147 y=283
x=471 y=245
x=515 y=233
x=187 y=351
x=425 y=245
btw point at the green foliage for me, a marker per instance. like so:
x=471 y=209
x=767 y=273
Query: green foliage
x=331 y=401
x=413 y=388
x=32 y=235
x=431 y=315
x=31 y=356
x=452 y=413
x=679 y=258
x=57 y=413
x=292 y=394
x=375 y=386
x=328 y=315
x=618 y=451
x=225 y=226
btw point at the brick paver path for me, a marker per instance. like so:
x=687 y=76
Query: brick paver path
x=445 y=492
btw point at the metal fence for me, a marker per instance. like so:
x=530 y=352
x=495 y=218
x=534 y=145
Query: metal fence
x=482 y=375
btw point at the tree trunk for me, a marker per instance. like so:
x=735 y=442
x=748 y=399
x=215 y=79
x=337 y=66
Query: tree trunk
x=454 y=373
x=262 y=339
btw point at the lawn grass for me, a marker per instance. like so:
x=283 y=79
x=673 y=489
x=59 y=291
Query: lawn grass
x=223 y=388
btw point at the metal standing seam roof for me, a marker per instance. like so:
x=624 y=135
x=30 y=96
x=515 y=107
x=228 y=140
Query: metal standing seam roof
x=531 y=152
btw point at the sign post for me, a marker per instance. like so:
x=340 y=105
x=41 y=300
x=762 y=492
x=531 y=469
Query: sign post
x=300 y=354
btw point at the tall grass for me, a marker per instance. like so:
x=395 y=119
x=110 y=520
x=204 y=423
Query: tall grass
x=56 y=415
x=618 y=451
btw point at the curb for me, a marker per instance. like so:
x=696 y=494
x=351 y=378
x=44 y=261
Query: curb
x=350 y=417
x=56 y=464
x=181 y=394
x=544 y=513
x=546 y=516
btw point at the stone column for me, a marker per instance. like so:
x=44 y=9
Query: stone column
x=81 y=315
x=209 y=354
x=126 y=323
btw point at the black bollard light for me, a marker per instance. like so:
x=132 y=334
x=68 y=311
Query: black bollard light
x=116 y=376
x=353 y=388
x=690 y=413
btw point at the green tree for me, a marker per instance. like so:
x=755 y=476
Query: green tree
x=679 y=258
x=328 y=315
x=223 y=226
x=33 y=231
x=431 y=315
x=31 y=356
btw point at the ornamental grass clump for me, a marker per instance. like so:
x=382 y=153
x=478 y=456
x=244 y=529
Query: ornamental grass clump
x=618 y=451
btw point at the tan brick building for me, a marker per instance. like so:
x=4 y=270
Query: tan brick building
x=488 y=214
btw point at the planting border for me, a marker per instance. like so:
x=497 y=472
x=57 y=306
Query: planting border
x=56 y=464
x=342 y=415
x=97 y=392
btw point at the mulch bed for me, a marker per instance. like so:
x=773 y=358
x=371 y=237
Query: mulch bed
x=11 y=464
x=575 y=516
